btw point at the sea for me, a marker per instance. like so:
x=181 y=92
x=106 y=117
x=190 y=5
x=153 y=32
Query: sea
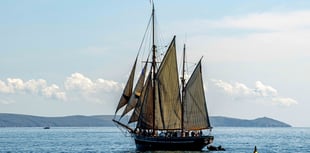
x=114 y=140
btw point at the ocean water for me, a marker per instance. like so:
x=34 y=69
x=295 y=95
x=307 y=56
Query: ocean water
x=111 y=139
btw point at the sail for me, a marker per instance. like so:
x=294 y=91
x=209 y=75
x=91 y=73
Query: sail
x=145 y=117
x=194 y=103
x=137 y=92
x=167 y=97
x=136 y=113
x=127 y=92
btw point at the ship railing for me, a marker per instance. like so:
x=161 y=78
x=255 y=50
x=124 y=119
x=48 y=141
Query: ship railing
x=168 y=133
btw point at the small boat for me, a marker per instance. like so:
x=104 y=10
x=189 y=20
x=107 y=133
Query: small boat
x=46 y=127
x=214 y=148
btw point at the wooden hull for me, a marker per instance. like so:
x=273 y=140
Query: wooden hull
x=144 y=143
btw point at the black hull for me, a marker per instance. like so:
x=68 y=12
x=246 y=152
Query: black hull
x=144 y=143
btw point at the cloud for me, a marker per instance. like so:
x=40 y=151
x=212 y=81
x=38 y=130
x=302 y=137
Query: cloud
x=265 y=36
x=78 y=81
x=35 y=87
x=4 y=88
x=15 y=84
x=76 y=87
x=265 y=90
x=251 y=22
x=53 y=91
x=260 y=92
x=98 y=90
x=284 y=101
x=275 y=21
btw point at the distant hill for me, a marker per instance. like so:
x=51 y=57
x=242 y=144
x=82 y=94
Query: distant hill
x=218 y=121
x=17 y=120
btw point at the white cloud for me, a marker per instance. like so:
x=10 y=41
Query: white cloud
x=98 y=90
x=78 y=81
x=4 y=88
x=276 y=21
x=265 y=90
x=256 y=46
x=284 y=101
x=108 y=85
x=227 y=87
x=255 y=22
x=259 y=92
x=35 y=87
x=15 y=84
x=253 y=37
x=53 y=91
x=76 y=87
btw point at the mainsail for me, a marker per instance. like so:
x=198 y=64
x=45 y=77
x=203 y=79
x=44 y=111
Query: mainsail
x=168 y=99
x=167 y=96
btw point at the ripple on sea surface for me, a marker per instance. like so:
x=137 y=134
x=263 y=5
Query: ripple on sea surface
x=110 y=139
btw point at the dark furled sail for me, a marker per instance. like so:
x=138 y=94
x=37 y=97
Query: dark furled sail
x=135 y=115
x=128 y=89
x=136 y=93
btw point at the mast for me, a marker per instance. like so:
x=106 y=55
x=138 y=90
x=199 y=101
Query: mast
x=153 y=63
x=183 y=72
x=183 y=90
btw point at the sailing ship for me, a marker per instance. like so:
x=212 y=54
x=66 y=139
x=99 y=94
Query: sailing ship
x=167 y=114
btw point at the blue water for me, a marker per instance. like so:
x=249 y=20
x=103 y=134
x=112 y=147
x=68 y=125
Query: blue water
x=111 y=139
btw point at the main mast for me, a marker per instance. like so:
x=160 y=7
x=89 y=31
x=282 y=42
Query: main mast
x=153 y=63
x=183 y=90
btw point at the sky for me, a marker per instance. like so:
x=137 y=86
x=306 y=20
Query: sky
x=73 y=57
